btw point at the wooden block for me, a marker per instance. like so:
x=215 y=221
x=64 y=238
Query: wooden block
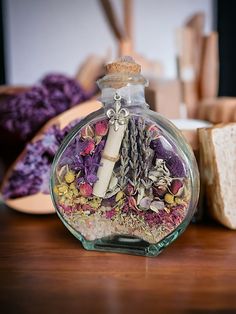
x=218 y=110
x=187 y=69
x=190 y=98
x=164 y=97
x=196 y=23
x=209 y=71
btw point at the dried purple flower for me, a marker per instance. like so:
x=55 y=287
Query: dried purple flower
x=110 y=213
x=164 y=150
x=23 y=114
x=31 y=174
x=176 y=167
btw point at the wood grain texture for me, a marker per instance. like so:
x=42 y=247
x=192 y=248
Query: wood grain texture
x=43 y=269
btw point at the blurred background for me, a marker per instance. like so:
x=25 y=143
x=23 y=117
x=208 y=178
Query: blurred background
x=57 y=35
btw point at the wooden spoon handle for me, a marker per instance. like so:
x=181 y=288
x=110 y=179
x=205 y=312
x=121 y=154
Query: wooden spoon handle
x=112 y=19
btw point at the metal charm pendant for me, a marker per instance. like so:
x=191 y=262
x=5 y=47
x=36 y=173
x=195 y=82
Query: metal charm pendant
x=118 y=115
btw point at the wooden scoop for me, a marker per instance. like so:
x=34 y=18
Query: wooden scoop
x=41 y=203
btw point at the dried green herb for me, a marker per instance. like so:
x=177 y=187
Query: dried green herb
x=134 y=155
x=124 y=160
x=146 y=153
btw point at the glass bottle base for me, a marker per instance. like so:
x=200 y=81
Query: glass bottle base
x=128 y=244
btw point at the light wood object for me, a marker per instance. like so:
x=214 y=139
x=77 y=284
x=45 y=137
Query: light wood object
x=123 y=33
x=209 y=71
x=218 y=110
x=90 y=70
x=164 y=97
x=186 y=69
x=218 y=164
x=41 y=203
x=197 y=22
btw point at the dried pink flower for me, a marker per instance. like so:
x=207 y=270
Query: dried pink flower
x=101 y=128
x=86 y=207
x=110 y=213
x=132 y=202
x=88 y=149
x=129 y=189
x=176 y=186
x=85 y=189
x=154 y=132
x=159 y=191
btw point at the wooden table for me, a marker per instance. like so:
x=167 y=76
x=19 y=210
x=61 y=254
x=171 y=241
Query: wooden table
x=43 y=269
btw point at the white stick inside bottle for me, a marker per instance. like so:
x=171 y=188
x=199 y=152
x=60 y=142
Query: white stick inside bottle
x=109 y=157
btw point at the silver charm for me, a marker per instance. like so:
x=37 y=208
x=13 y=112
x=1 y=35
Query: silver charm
x=117 y=116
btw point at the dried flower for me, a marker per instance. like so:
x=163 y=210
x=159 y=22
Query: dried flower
x=156 y=206
x=129 y=189
x=89 y=148
x=119 y=196
x=145 y=203
x=146 y=153
x=69 y=177
x=153 y=131
x=124 y=160
x=87 y=132
x=101 y=128
x=132 y=202
x=31 y=173
x=24 y=114
x=176 y=167
x=110 y=213
x=85 y=189
x=95 y=202
x=159 y=191
x=176 y=186
x=169 y=198
x=62 y=188
x=162 y=148
x=134 y=155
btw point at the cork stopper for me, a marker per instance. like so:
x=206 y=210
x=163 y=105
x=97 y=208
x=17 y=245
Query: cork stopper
x=125 y=65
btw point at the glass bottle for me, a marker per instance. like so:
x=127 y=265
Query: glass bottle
x=124 y=179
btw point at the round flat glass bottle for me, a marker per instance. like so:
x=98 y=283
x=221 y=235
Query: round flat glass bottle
x=125 y=180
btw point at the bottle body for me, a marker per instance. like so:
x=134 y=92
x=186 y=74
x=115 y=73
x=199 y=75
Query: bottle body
x=124 y=179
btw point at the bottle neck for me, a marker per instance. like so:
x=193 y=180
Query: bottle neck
x=133 y=95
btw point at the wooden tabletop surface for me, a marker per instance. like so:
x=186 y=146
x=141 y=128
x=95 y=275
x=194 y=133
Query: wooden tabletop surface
x=44 y=269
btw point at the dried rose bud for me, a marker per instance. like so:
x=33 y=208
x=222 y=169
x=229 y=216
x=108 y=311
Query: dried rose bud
x=89 y=148
x=132 y=202
x=159 y=191
x=154 y=132
x=87 y=132
x=176 y=186
x=85 y=189
x=86 y=207
x=129 y=189
x=101 y=128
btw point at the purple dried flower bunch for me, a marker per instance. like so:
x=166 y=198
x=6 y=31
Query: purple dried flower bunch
x=31 y=173
x=149 y=189
x=25 y=113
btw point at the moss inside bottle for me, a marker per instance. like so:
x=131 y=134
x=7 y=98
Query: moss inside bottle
x=125 y=180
